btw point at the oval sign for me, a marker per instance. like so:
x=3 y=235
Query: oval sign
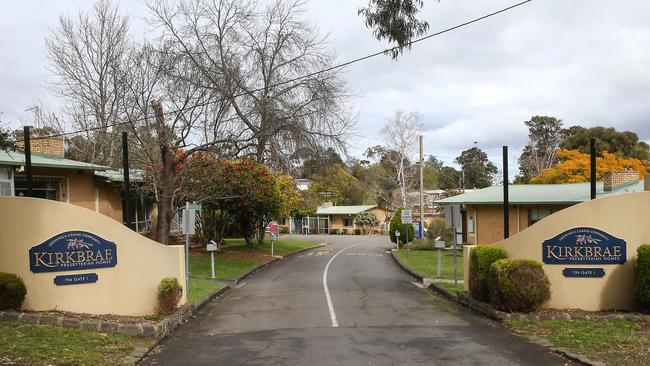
x=584 y=245
x=71 y=251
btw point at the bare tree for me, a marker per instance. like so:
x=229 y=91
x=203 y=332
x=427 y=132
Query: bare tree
x=399 y=135
x=544 y=137
x=85 y=54
x=258 y=60
x=196 y=122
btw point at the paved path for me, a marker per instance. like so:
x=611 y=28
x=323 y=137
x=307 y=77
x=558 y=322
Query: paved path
x=377 y=317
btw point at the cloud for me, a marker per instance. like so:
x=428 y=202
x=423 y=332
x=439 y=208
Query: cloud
x=580 y=60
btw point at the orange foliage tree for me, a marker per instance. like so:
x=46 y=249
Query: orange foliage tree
x=574 y=167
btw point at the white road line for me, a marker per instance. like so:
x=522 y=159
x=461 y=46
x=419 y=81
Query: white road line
x=328 y=297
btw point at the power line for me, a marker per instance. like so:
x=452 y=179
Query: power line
x=331 y=68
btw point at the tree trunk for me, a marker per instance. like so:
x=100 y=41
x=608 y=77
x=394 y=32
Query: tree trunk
x=165 y=202
x=261 y=232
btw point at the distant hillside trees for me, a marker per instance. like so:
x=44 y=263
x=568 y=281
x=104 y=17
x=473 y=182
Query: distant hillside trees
x=621 y=143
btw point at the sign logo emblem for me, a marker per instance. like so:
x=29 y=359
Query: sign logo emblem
x=584 y=245
x=71 y=251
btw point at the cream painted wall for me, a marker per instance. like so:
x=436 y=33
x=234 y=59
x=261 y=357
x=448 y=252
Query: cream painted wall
x=624 y=216
x=129 y=288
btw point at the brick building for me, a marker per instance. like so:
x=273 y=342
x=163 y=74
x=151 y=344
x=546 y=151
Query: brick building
x=482 y=210
x=91 y=186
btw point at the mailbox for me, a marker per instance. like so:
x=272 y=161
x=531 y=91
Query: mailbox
x=212 y=246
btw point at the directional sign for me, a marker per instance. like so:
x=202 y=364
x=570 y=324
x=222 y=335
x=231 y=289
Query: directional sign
x=407 y=217
x=195 y=206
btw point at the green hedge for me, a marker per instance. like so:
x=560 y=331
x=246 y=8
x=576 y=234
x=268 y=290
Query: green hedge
x=12 y=291
x=642 y=278
x=518 y=285
x=405 y=230
x=169 y=292
x=481 y=258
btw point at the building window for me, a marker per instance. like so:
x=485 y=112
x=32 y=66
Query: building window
x=348 y=221
x=471 y=225
x=282 y=221
x=47 y=188
x=536 y=214
x=6 y=181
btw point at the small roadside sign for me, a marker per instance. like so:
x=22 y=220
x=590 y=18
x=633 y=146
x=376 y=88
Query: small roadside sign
x=195 y=206
x=275 y=229
x=407 y=217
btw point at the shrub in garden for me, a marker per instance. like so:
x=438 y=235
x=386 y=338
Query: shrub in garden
x=642 y=278
x=422 y=245
x=518 y=285
x=169 y=293
x=480 y=261
x=437 y=228
x=12 y=291
x=404 y=229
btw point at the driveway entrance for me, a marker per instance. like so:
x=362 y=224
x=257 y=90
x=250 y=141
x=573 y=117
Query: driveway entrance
x=344 y=304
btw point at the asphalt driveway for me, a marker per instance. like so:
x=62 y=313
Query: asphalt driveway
x=362 y=311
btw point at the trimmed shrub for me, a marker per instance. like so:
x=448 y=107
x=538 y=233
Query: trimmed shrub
x=12 y=291
x=422 y=245
x=404 y=229
x=169 y=293
x=481 y=258
x=518 y=285
x=642 y=278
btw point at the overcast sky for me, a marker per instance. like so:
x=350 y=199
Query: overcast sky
x=584 y=61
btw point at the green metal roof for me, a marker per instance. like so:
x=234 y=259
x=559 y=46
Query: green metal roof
x=343 y=210
x=538 y=194
x=117 y=175
x=17 y=158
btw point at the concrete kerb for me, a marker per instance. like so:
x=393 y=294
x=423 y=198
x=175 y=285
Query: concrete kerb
x=489 y=311
x=418 y=276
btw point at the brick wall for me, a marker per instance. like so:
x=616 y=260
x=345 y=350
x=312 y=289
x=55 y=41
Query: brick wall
x=613 y=179
x=49 y=146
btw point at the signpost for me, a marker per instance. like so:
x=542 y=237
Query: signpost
x=407 y=218
x=440 y=245
x=275 y=230
x=189 y=228
x=212 y=247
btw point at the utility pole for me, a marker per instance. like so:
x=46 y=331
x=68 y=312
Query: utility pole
x=421 y=187
x=28 y=161
x=506 y=196
x=126 y=214
x=592 y=166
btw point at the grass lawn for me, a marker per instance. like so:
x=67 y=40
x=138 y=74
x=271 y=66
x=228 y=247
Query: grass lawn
x=236 y=258
x=426 y=262
x=48 y=345
x=451 y=287
x=200 y=288
x=281 y=246
x=614 y=342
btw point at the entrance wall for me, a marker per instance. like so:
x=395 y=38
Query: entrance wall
x=129 y=288
x=624 y=216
